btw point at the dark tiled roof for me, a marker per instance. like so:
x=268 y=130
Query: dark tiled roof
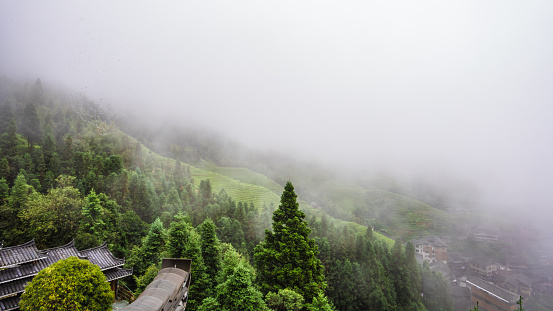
x=432 y=240
x=440 y=267
x=11 y=303
x=519 y=280
x=19 y=254
x=61 y=252
x=493 y=290
x=102 y=257
x=19 y=272
x=49 y=256
x=117 y=273
x=482 y=261
x=15 y=287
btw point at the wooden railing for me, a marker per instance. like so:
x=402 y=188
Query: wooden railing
x=124 y=294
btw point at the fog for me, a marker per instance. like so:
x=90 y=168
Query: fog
x=462 y=90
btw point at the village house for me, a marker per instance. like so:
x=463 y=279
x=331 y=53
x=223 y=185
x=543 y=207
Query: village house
x=431 y=248
x=518 y=263
x=516 y=283
x=483 y=265
x=486 y=235
x=20 y=263
x=491 y=297
x=443 y=269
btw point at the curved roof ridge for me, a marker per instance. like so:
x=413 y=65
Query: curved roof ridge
x=70 y=244
x=102 y=256
x=29 y=243
x=95 y=247
x=20 y=254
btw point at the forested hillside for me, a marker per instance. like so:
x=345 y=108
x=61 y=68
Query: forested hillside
x=68 y=171
x=392 y=207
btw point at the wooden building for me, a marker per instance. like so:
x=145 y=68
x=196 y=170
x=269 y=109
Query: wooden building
x=491 y=297
x=20 y=263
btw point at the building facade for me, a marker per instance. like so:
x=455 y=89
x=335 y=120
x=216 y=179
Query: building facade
x=431 y=248
x=484 y=266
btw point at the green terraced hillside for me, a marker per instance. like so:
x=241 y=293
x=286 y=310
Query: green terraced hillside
x=399 y=215
x=243 y=184
x=238 y=190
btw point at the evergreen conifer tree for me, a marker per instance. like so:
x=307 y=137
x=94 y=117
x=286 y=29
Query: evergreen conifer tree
x=151 y=249
x=211 y=252
x=287 y=258
x=31 y=124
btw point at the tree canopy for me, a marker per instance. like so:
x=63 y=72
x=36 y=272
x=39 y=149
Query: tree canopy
x=69 y=284
x=287 y=258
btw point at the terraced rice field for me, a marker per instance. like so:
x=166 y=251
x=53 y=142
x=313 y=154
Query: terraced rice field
x=238 y=190
x=248 y=176
x=243 y=184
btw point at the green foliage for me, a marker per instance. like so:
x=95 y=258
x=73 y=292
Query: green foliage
x=230 y=231
x=31 y=124
x=285 y=300
x=4 y=169
x=350 y=285
x=211 y=253
x=231 y=259
x=21 y=192
x=519 y=303
x=178 y=235
x=53 y=219
x=149 y=253
x=70 y=284
x=185 y=242
x=131 y=229
x=11 y=227
x=4 y=191
x=405 y=276
x=93 y=213
x=238 y=292
x=209 y=304
x=436 y=290
x=287 y=257
x=320 y=303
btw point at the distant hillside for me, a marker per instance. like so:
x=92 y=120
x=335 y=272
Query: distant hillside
x=250 y=175
x=246 y=185
x=68 y=172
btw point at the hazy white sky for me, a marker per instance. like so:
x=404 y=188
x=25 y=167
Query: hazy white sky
x=465 y=85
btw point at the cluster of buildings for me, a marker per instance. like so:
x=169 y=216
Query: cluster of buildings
x=477 y=278
x=20 y=263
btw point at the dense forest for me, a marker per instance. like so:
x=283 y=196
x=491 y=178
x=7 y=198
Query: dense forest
x=67 y=172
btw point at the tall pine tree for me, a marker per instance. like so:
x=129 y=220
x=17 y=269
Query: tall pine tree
x=211 y=252
x=287 y=258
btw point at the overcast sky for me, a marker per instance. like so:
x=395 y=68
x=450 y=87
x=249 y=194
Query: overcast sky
x=465 y=87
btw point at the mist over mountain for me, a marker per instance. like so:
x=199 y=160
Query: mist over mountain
x=454 y=97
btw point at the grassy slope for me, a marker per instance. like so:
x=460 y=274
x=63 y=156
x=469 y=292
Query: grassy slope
x=241 y=184
x=238 y=190
x=402 y=216
x=246 y=185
